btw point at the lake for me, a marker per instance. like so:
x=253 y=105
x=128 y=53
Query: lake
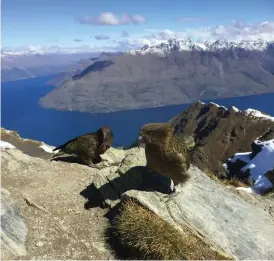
x=22 y=112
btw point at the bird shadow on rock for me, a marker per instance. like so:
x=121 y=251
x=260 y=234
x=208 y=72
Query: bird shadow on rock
x=68 y=159
x=136 y=178
x=93 y=196
x=74 y=159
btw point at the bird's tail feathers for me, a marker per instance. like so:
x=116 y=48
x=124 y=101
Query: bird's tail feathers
x=58 y=154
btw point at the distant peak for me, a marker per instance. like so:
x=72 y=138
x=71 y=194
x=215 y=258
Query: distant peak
x=175 y=44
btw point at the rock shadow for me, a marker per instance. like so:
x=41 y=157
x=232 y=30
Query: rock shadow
x=136 y=178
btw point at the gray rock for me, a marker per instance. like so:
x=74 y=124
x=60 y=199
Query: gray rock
x=207 y=207
x=13 y=228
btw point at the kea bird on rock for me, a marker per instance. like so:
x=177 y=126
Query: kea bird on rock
x=166 y=153
x=88 y=147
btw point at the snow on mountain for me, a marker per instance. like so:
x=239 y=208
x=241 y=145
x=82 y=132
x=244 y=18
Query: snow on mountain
x=258 y=114
x=250 y=112
x=188 y=45
x=166 y=46
x=6 y=145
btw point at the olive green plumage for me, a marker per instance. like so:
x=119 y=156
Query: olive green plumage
x=88 y=147
x=166 y=153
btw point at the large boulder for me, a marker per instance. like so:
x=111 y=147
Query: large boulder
x=219 y=214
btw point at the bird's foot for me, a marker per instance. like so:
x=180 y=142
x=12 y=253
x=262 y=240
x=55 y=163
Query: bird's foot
x=92 y=165
x=172 y=194
x=88 y=163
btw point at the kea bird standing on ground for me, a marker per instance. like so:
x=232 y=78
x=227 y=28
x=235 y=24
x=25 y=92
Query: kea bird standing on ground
x=88 y=147
x=166 y=153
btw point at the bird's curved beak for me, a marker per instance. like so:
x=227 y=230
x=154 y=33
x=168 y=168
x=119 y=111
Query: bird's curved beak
x=140 y=141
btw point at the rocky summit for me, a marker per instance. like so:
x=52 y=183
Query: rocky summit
x=51 y=208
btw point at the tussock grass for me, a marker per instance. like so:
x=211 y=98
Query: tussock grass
x=235 y=182
x=144 y=235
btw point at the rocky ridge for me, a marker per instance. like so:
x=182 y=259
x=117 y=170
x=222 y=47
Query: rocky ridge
x=59 y=227
x=220 y=132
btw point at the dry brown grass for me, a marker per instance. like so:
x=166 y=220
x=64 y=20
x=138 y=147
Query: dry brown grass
x=147 y=236
x=234 y=182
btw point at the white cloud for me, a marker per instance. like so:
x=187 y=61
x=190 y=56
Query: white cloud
x=102 y=37
x=236 y=31
x=108 y=18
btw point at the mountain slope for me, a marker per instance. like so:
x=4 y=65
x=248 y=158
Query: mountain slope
x=173 y=73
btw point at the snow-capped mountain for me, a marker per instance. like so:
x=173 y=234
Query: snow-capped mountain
x=189 y=45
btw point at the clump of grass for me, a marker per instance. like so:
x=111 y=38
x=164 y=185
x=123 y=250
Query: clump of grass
x=144 y=235
x=235 y=182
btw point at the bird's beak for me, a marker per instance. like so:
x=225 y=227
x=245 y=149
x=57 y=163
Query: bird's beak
x=140 y=141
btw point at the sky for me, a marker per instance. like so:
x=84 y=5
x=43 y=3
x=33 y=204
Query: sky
x=122 y=24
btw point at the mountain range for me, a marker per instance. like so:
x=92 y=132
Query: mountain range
x=175 y=72
x=31 y=63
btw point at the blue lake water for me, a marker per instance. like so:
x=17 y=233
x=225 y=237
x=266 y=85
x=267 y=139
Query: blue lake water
x=22 y=112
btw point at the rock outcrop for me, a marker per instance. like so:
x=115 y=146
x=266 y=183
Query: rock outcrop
x=52 y=195
x=13 y=228
x=221 y=132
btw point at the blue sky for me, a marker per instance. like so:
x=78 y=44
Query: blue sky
x=78 y=22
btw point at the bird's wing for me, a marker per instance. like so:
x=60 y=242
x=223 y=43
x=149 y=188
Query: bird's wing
x=74 y=145
x=187 y=139
x=180 y=149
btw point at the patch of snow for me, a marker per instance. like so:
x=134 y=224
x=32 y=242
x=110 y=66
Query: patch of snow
x=201 y=45
x=46 y=148
x=5 y=145
x=244 y=156
x=219 y=106
x=201 y=102
x=258 y=166
x=225 y=164
x=235 y=109
x=258 y=114
x=248 y=190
